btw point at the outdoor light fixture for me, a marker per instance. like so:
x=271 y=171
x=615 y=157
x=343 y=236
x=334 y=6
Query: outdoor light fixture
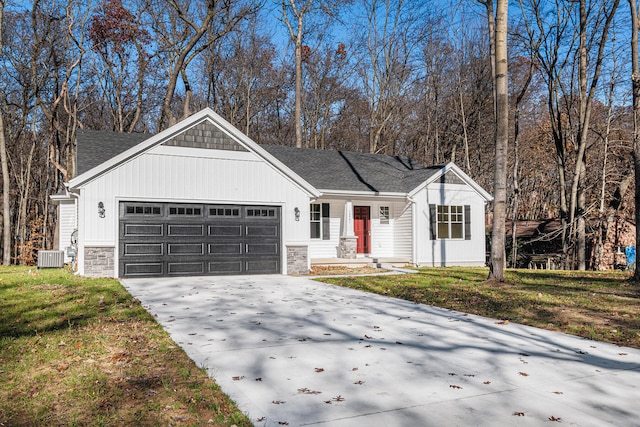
x=101 y=209
x=296 y=211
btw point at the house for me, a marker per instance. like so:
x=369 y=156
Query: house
x=201 y=198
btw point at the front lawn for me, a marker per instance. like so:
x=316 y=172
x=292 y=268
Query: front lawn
x=602 y=306
x=78 y=351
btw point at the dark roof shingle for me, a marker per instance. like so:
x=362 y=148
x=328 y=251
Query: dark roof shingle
x=324 y=169
x=352 y=171
x=96 y=146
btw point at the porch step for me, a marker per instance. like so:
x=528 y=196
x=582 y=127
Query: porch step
x=363 y=261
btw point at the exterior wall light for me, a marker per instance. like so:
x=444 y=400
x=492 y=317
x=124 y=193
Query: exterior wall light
x=101 y=209
x=296 y=211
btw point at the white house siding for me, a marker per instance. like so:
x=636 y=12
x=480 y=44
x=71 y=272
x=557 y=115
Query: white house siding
x=403 y=241
x=319 y=248
x=67 y=223
x=191 y=175
x=450 y=252
x=387 y=240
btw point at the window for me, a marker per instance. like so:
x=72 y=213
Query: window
x=143 y=210
x=316 y=224
x=230 y=212
x=384 y=214
x=185 y=211
x=319 y=221
x=450 y=222
x=261 y=212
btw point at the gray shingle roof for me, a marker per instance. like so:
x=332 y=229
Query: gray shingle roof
x=351 y=171
x=324 y=169
x=96 y=146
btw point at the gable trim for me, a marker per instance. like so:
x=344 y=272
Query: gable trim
x=452 y=168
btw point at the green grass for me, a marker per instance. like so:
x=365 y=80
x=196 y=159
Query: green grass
x=602 y=306
x=78 y=351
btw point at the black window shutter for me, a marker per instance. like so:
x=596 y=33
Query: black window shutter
x=432 y=221
x=467 y=222
x=326 y=232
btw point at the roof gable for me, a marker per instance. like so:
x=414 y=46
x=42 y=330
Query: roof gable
x=190 y=132
x=452 y=174
x=205 y=135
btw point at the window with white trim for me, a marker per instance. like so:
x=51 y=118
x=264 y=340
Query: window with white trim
x=450 y=222
x=315 y=220
x=319 y=221
x=384 y=214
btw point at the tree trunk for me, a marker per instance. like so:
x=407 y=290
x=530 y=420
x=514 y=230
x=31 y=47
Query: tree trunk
x=6 y=183
x=635 y=86
x=501 y=142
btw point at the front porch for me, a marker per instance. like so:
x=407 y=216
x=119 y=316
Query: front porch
x=361 y=261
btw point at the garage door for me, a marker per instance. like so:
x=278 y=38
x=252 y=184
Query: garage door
x=168 y=239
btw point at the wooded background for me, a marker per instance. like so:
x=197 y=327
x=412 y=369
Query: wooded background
x=399 y=77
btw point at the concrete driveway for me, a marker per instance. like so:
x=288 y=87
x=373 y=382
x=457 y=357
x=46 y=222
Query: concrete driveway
x=292 y=351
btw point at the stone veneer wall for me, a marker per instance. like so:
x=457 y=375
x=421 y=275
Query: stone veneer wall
x=98 y=261
x=297 y=260
x=348 y=247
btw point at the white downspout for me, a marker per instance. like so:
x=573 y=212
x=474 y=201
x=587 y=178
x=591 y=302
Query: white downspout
x=414 y=243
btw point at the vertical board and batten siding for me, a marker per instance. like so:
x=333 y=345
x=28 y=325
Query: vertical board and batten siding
x=67 y=222
x=179 y=174
x=450 y=252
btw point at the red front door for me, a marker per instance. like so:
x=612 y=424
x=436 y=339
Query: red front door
x=362 y=227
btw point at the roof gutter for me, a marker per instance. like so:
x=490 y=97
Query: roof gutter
x=363 y=193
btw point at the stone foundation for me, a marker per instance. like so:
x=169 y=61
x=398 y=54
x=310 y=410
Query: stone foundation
x=98 y=261
x=348 y=247
x=297 y=260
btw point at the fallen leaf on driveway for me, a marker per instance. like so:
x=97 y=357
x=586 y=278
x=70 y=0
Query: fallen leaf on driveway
x=457 y=387
x=307 y=391
x=504 y=322
x=552 y=418
x=238 y=378
x=519 y=414
x=523 y=374
x=319 y=370
x=278 y=402
x=557 y=392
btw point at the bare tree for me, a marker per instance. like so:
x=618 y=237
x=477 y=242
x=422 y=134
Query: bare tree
x=386 y=69
x=6 y=214
x=502 y=138
x=184 y=30
x=120 y=42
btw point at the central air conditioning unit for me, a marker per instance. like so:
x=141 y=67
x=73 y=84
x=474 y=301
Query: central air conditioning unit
x=50 y=259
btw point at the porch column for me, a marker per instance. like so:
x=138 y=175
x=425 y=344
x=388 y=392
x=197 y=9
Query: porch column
x=348 y=245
